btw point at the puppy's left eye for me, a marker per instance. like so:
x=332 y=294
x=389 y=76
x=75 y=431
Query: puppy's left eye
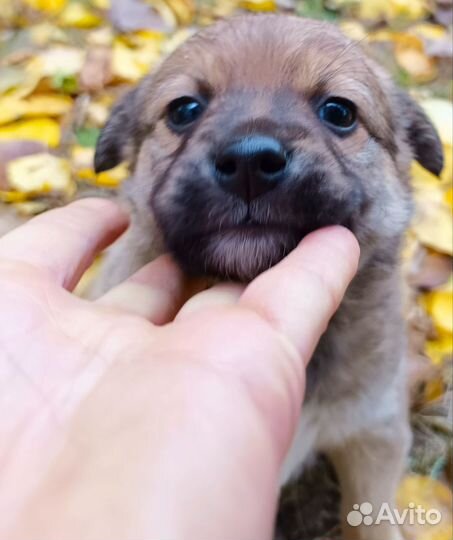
x=339 y=114
x=183 y=111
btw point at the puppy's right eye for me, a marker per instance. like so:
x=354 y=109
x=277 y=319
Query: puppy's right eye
x=183 y=111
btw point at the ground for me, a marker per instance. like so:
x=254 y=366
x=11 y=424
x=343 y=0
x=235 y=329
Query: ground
x=62 y=64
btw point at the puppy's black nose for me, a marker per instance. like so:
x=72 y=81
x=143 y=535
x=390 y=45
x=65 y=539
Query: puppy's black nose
x=251 y=166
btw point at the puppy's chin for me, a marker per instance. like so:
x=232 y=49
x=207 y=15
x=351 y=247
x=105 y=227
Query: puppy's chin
x=238 y=254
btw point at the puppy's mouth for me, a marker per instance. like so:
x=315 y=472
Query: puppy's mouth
x=227 y=238
x=252 y=228
x=238 y=252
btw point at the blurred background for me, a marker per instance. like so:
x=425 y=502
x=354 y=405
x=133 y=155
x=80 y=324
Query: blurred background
x=64 y=62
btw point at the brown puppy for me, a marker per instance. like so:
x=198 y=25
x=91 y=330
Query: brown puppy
x=254 y=132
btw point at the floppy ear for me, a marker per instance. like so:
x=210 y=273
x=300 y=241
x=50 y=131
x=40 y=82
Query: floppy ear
x=117 y=134
x=421 y=134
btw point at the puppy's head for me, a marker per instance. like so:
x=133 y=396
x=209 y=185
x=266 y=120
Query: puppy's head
x=261 y=129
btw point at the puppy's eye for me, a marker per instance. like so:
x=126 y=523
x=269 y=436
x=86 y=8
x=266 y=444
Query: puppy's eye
x=339 y=114
x=183 y=111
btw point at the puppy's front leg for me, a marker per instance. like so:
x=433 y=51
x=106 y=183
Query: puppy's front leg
x=369 y=468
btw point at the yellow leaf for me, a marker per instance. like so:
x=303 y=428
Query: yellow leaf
x=101 y=4
x=353 y=29
x=12 y=196
x=80 y=16
x=47 y=104
x=434 y=228
x=101 y=37
x=449 y=197
x=183 y=9
x=440 y=348
x=434 y=389
x=439 y=305
x=447 y=172
x=113 y=177
x=429 y=30
x=12 y=108
x=440 y=112
x=44 y=33
x=132 y=64
x=30 y=208
x=410 y=55
x=50 y=6
x=258 y=5
x=429 y=494
x=40 y=173
x=43 y=130
x=29 y=81
x=422 y=178
x=433 y=220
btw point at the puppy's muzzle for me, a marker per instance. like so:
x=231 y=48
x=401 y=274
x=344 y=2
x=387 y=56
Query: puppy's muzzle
x=251 y=166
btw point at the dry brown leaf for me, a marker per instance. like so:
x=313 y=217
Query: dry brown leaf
x=97 y=69
x=433 y=271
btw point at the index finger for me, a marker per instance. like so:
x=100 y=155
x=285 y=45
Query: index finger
x=63 y=242
x=300 y=295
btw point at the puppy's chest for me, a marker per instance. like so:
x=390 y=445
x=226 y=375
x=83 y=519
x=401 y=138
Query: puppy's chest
x=359 y=352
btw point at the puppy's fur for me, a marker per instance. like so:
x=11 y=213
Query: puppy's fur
x=266 y=75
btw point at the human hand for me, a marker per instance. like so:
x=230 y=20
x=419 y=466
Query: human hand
x=120 y=420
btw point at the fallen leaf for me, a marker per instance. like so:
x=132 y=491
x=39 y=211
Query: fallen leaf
x=13 y=150
x=440 y=112
x=12 y=108
x=48 y=6
x=411 y=56
x=40 y=173
x=443 y=12
x=11 y=77
x=183 y=9
x=434 y=270
x=46 y=33
x=43 y=130
x=440 y=348
x=258 y=5
x=429 y=494
x=19 y=88
x=58 y=60
x=384 y=9
x=113 y=177
x=79 y=15
x=31 y=208
x=354 y=30
x=97 y=69
x=12 y=196
x=132 y=64
x=439 y=304
x=131 y=15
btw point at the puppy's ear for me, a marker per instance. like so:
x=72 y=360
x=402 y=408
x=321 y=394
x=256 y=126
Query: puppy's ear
x=421 y=134
x=117 y=134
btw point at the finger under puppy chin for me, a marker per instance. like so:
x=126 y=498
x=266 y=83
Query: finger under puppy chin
x=299 y=295
x=221 y=294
